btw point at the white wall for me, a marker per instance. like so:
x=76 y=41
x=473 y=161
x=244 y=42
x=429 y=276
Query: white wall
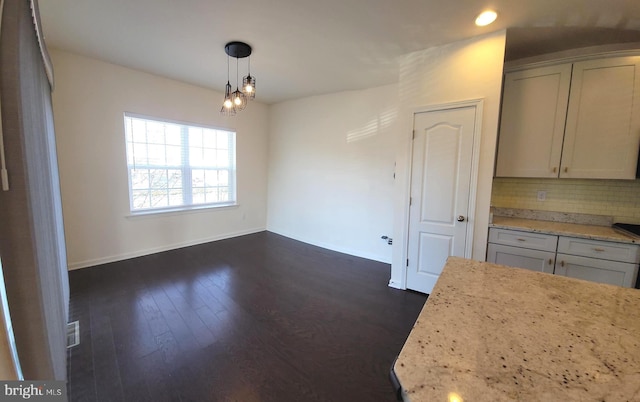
x=331 y=166
x=89 y=100
x=465 y=70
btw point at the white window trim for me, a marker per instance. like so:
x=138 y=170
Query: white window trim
x=179 y=209
x=172 y=212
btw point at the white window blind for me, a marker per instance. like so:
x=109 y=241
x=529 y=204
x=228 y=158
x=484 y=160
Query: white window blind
x=178 y=166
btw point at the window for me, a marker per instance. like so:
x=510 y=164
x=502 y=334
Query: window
x=178 y=166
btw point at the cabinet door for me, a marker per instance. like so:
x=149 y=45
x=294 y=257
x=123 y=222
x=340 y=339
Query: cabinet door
x=536 y=241
x=535 y=260
x=603 y=127
x=534 y=108
x=595 y=270
x=602 y=250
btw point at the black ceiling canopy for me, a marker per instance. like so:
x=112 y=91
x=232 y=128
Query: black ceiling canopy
x=238 y=50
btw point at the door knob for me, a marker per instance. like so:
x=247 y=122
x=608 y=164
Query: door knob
x=460 y=218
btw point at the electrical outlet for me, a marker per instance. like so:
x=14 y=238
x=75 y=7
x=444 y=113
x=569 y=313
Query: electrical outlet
x=542 y=195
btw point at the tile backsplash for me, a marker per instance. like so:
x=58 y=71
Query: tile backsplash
x=619 y=199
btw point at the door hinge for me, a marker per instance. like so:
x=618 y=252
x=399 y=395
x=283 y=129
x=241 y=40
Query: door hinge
x=413 y=135
x=410 y=201
x=407 y=262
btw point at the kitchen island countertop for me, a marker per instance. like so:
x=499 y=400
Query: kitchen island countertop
x=494 y=333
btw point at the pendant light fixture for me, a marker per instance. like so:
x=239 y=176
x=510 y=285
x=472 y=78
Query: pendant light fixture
x=249 y=83
x=237 y=100
x=228 y=108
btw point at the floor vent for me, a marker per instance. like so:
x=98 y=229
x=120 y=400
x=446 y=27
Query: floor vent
x=73 y=334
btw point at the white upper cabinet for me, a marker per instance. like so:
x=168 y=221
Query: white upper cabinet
x=534 y=108
x=579 y=120
x=603 y=127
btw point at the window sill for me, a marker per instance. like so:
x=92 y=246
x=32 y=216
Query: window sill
x=179 y=211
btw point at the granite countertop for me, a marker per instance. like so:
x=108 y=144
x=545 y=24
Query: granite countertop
x=564 y=229
x=493 y=333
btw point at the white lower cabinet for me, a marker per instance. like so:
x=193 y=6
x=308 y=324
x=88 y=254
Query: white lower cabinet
x=592 y=260
x=598 y=261
x=534 y=251
x=535 y=260
x=592 y=269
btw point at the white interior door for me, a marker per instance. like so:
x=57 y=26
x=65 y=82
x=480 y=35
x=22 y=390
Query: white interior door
x=440 y=188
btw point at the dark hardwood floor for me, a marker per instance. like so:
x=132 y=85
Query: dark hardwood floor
x=253 y=318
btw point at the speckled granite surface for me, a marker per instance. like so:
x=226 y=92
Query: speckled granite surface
x=492 y=333
x=566 y=217
x=563 y=229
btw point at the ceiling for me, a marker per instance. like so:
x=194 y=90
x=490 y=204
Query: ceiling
x=310 y=47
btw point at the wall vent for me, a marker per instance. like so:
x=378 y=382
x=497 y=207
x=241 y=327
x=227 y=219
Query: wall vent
x=73 y=334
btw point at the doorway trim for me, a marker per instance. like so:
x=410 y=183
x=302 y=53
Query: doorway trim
x=478 y=104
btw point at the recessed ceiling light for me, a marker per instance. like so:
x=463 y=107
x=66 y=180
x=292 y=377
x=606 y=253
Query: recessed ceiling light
x=486 y=18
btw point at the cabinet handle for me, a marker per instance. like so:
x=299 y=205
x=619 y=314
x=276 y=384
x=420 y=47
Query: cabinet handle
x=562 y=263
x=555 y=170
x=519 y=239
x=598 y=250
x=550 y=261
x=566 y=170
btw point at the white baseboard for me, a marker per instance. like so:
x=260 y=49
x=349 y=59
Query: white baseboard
x=153 y=250
x=396 y=285
x=333 y=247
